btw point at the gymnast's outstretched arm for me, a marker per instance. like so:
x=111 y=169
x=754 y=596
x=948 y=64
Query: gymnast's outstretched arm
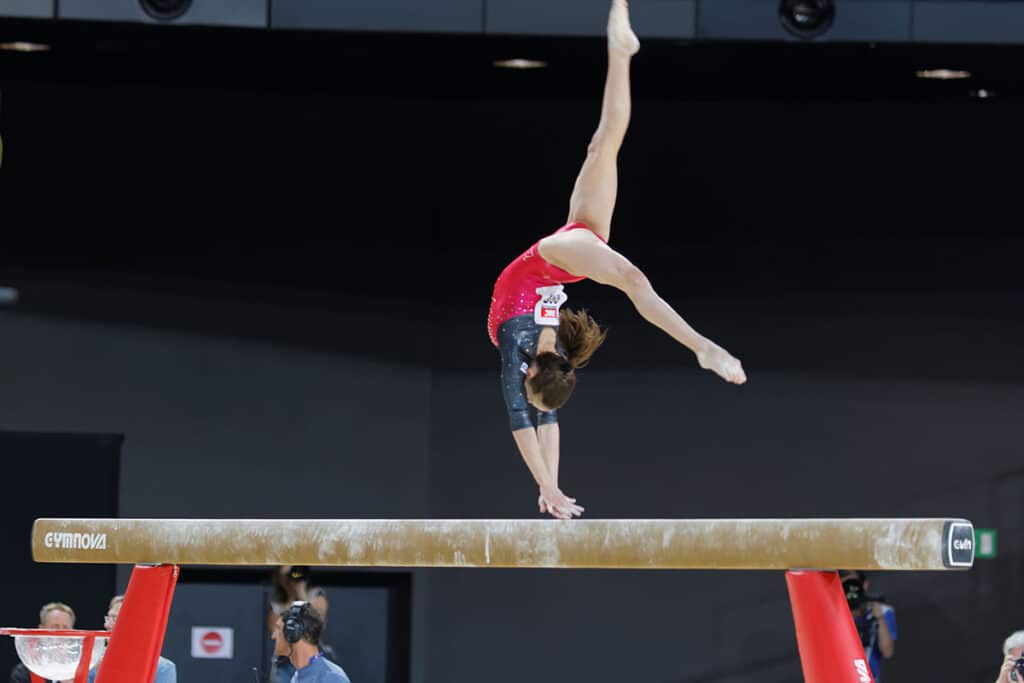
x=548 y=436
x=581 y=253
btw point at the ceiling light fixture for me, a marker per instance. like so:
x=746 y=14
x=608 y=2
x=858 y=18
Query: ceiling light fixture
x=22 y=46
x=165 y=10
x=520 y=64
x=943 y=74
x=807 y=19
x=8 y=296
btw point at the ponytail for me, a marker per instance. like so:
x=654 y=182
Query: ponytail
x=580 y=335
x=555 y=379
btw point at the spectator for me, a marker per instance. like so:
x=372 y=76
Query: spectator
x=54 y=616
x=875 y=620
x=299 y=658
x=1013 y=659
x=166 y=671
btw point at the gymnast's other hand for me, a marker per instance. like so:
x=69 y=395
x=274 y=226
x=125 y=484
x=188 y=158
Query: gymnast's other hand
x=713 y=357
x=557 y=504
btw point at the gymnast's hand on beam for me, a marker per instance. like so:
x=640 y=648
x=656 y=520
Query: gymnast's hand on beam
x=713 y=357
x=557 y=504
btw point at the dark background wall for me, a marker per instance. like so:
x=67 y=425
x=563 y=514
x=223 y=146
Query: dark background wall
x=54 y=475
x=273 y=287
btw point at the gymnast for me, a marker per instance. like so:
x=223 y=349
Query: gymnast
x=541 y=343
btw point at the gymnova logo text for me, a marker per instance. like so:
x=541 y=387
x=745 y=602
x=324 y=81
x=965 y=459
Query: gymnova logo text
x=862 y=670
x=70 y=541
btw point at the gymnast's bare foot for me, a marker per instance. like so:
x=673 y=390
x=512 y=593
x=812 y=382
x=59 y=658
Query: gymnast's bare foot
x=621 y=38
x=713 y=357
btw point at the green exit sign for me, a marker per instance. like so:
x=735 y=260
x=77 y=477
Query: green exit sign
x=984 y=543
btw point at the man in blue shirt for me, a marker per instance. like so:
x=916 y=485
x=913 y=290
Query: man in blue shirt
x=875 y=621
x=297 y=648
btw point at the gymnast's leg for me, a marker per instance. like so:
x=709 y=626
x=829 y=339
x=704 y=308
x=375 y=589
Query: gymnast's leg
x=593 y=197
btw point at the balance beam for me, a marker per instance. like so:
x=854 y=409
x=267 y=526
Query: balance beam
x=868 y=544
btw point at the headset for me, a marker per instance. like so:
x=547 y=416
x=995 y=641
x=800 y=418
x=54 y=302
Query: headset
x=300 y=620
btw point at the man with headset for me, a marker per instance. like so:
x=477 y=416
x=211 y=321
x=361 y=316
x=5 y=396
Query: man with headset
x=297 y=648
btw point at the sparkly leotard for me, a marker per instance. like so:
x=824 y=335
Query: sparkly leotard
x=511 y=326
x=515 y=291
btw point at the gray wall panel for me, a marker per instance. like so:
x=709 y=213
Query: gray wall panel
x=870 y=20
x=664 y=18
x=651 y=18
x=448 y=16
x=36 y=9
x=969 y=22
x=238 y=606
x=198 y=412
x=251 y=13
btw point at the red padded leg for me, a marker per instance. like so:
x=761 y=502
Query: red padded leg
x=138 y=635
x=830 y=649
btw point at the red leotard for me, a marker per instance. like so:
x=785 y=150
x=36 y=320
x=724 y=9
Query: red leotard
x=515 y=292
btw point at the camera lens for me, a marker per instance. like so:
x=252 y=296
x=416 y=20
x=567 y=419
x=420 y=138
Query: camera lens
x=165 y=10
x=807 y=19
x=854 y=590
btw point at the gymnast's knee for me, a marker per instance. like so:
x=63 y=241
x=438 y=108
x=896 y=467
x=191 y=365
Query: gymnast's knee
x=634 y=279
x=597 y=145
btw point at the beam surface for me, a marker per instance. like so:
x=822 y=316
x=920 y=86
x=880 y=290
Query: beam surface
x=869 y=544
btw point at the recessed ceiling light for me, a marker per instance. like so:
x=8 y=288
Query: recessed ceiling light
x=22 y=46
x=520 y=64
x=943 y=74
x=982 y=94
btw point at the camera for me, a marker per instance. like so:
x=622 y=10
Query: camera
x=856 y=596
x=1017 y=671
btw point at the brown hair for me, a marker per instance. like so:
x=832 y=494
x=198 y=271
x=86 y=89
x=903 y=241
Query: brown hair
x=580 y=336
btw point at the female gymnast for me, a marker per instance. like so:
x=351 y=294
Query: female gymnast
x=541 y=344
